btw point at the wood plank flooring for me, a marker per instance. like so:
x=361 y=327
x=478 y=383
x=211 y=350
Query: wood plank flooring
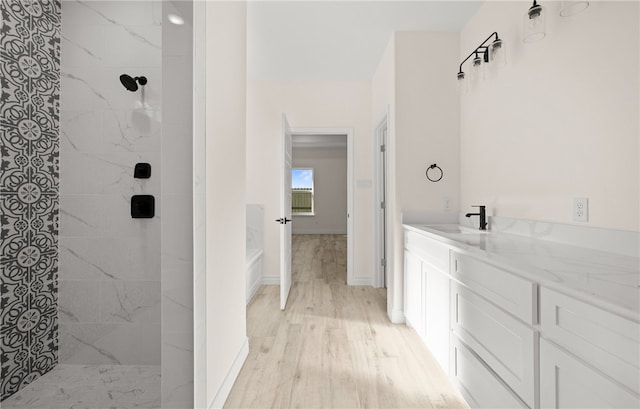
x=333 y=346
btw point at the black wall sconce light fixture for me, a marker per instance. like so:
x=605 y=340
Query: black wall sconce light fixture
x=492 y=50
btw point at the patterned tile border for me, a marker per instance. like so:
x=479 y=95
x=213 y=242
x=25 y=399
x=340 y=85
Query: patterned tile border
x=29 y=189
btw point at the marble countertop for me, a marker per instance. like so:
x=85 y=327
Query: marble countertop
x=610 y=281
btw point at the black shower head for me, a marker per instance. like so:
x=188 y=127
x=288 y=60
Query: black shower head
x=132 y=83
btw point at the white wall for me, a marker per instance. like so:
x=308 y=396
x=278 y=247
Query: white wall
x=383 y=97
x=427 y=118
x=424 y=129
x=225 y=179
x=308 y=104
x=329 y=189
x=561 y=120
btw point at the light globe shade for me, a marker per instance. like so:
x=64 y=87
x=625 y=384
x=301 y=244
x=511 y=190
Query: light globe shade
x=463 y=84
x=535 y=24
x=498 y=53
x=572 y=7
x=477 y=70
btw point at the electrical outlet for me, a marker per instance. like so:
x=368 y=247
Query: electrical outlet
x=446 y=203
x=580 y=209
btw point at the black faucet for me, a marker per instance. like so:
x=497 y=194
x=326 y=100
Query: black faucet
x=483 y=217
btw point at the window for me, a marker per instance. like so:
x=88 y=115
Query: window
x=302 y=192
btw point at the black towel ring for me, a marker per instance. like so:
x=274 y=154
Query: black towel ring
x=434 y=166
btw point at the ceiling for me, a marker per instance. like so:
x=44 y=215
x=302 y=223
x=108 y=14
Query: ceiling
x=337 y=40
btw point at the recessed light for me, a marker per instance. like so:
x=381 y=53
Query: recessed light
x=175 y=19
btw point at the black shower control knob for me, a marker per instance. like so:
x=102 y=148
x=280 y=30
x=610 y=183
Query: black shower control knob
x=143 y=206
x=142 y=171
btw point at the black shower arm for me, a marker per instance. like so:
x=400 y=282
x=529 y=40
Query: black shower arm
x=475 y=52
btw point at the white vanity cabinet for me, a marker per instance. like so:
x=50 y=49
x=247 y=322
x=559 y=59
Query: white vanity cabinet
x=589 y=357
x=426 y=278
x=514 y=338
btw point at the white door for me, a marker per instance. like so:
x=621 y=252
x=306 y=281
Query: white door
x=285 y=214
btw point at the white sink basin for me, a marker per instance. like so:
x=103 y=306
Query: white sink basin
x=455 y=229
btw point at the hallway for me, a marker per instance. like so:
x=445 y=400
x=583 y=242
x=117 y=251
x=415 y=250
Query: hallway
x=333 y=346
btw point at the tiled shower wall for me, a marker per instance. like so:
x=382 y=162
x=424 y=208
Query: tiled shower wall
x=109 y=297
x=29 y=126
x=177 y=208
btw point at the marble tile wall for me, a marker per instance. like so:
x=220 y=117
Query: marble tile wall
x=110 y=266
x=177 y=208
x=29 y=199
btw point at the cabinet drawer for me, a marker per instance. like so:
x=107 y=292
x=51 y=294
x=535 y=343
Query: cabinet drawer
x=508 y=346
x=512 y=293
x=479 y=386
x=429 y=250
x=605 y=340
x=568 y=382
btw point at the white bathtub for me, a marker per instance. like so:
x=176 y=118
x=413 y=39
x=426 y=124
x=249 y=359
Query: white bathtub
x=254 y=272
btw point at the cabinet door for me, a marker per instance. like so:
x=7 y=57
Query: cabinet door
x=437 y=314
x=480 y=387
x=413 y=294
x=508 y=346
x=607 y=341
x=568 y=382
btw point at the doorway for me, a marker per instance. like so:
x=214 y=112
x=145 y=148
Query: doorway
x=331 y=136
x=380 y=164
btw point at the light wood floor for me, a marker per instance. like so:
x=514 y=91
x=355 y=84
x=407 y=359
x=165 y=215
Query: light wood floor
x=333 y=346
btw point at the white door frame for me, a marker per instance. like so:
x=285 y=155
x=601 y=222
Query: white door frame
x=350 y=213
x=381 y=272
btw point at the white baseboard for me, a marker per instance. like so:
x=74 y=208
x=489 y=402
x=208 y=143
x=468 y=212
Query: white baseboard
x=270 y=280
x=224 y=390
x=362 y=281
x=320 y=231
x=395 y=316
